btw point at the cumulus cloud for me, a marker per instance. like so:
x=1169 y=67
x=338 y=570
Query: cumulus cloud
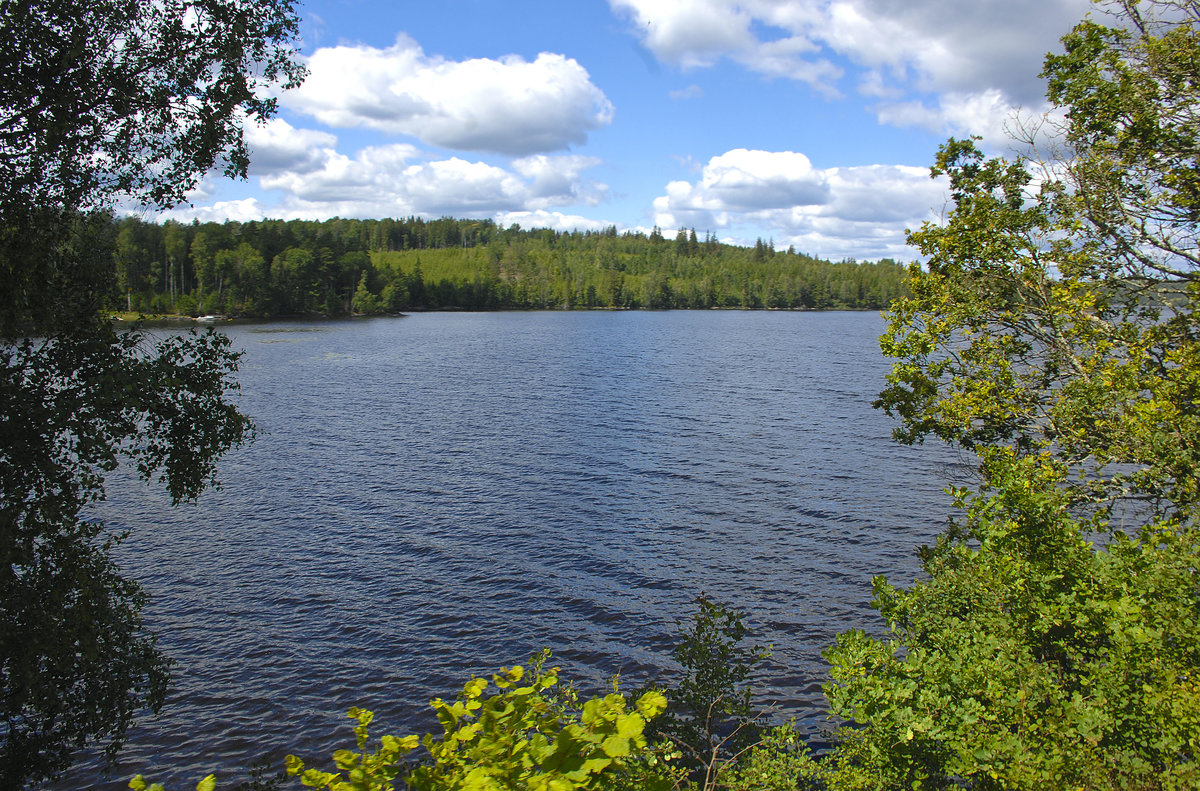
x=243 y=210
x=697 y=33
x=277 y=147
x=857 y=212
x=742 y=180
x=978 y=57
x=400 y=179
x=690 y=33
x=507 y=106
x=986 y=113
x=949 y=46
x=548 y=219
x=558 y=180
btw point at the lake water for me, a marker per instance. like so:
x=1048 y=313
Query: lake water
x=438 y=495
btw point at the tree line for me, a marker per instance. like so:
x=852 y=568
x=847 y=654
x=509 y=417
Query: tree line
x=346 y=266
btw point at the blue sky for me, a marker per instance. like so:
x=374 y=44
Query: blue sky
x=809 y=122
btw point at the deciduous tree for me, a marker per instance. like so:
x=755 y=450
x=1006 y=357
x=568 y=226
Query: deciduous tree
x=1053 y=333
x=103 y=102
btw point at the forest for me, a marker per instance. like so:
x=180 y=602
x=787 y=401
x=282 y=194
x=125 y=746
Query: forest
x=344 y=266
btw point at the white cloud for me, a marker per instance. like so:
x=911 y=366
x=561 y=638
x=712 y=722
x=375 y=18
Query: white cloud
x=546 y=219
x=243 y=210
x=786 y=57
x=558 y=180
x=508 y=106
x=277 y=147
x=689 y=33
x=986 y=113
x=980 y=59
x=742 y=180
x=857 y=212
x=380 y=181
x=397 y=180
x=697 y=33
x=948 y=45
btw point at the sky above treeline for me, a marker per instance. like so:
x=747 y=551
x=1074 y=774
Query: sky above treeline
x=808 y=122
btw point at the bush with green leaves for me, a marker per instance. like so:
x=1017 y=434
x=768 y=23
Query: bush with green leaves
x=1029 y=657
x=138 y=783
x=523 y=736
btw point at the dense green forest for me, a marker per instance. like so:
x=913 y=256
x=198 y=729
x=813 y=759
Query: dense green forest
x=332 y=267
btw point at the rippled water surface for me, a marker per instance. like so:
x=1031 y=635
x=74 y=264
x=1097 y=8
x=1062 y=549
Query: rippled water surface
x=438 y=495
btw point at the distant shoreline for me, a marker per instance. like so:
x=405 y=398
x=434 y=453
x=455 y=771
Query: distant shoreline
x=175 y=319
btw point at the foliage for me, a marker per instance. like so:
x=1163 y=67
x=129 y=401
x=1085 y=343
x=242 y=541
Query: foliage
x=103 y=102
x=120 y=100
x=1055 y=639
x=779 y=761
x=1029 y=657
x=1053 y=333
x=364 y=772
x=138 y=783
x=710 y=716
x=1129 y=91
x=521 y=737
x=1057 y=309
x=340 y=266
x=77 y=663
x=535 y=732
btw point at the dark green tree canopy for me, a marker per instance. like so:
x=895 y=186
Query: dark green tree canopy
x=103 y=102
x=107 y=99
x=119 y=100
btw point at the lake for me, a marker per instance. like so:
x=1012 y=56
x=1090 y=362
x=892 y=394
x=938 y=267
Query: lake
x=441 y=494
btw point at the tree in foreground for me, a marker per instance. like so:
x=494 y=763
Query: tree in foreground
x=103 y=102
x=1053 y=333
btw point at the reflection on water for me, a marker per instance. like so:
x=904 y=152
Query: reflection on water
x=439 y=495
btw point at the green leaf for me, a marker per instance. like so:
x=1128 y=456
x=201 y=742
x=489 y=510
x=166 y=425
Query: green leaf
x=615 y=746
x=293 y=765
x=630 y=725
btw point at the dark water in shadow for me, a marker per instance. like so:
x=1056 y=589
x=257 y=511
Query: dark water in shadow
x=438 y=495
